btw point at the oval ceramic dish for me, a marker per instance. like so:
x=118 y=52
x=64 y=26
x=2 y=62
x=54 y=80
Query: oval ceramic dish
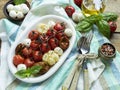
x=54 y=68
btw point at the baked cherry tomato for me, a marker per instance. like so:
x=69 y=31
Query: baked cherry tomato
x=59 y=35
x=43 y=38
x=78 y=2
x=45 y=47
x=19 y=48
x=28 y=62
x=64 y=42
x=34 y=45
x=53 y=42
x=17 y=59
x=33 y=35
x=59 y=26
x=69 y=10
x=27 y=52
x=51 y=32
x=113 y=26
x=37 y=55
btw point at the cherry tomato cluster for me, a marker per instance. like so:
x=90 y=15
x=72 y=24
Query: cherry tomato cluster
x=40 y=44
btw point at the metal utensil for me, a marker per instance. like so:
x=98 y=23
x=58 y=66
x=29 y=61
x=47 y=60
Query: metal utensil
x=83 y=49
x=79 y=61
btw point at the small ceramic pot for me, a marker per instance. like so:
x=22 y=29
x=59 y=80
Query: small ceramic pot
x=6 y=13
x=107 y=52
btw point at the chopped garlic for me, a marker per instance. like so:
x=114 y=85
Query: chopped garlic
x=68 y=32
x=77 y=16
x=42 y=28
x=58 y=50
x=50 y=57
x=21 y=67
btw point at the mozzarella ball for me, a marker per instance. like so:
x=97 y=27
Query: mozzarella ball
x=23 y=5
x=20 y=15
x=12 y=14
x=27 y=42
x=17 y=8
x=21 y=67
x=68 y=32
x=42 y=28
x=77 y=16
x=10 y=7
x=51 y=24
x=25 y=9
x=58 y=50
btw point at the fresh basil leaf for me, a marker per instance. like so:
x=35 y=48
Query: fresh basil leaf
x=28 y=72
x=83 y=26
x=16 y=2
x=109 y=16
x=93 y=18
x=104 y=28
x=36 y=69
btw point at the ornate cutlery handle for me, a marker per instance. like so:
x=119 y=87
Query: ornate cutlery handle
x=69 y=79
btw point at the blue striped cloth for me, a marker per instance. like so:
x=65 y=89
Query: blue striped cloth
x=105 y=78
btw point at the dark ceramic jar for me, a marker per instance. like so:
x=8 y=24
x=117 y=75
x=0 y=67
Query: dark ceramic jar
x=6 y=13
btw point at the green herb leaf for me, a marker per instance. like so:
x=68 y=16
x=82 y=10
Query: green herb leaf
x=93 y=18
x=16 y=2
x=104 y=28
x=84 y=26
x=28 y=72
x=109 y=16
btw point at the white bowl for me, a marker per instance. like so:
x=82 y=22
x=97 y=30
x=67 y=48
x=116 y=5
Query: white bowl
x=32 y=26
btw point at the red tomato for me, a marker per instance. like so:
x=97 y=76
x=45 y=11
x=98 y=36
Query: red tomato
x=34 y=45
x=78 y=2
x=64 y=42
x=33 y=35
x=37 y=55
x=60 y=34
x=17 y=59
x=69 y=10
x=45 y=47
x=113 y=26
x=51 y=32
x=53 y=42
x=27 y=52
x=43 y=38
x=59 y=26
x=28 y=62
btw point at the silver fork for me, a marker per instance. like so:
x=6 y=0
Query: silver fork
x=83 y=49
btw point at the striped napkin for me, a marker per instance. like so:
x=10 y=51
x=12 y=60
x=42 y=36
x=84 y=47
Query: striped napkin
x=101 y=77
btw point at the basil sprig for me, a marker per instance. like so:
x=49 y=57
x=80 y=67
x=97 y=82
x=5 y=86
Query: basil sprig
x=28 y=72
x=16 y=2
x=101 y=20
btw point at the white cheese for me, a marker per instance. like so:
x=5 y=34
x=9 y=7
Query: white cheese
x=77 y=16
x=68 y=32
x=25 y=9
x=27 y=42
x=20 y=14
x=21 y=67
x=51 y=24
x=58 y=50
x=12 y=14
x=17 y=8
x=10 y=7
